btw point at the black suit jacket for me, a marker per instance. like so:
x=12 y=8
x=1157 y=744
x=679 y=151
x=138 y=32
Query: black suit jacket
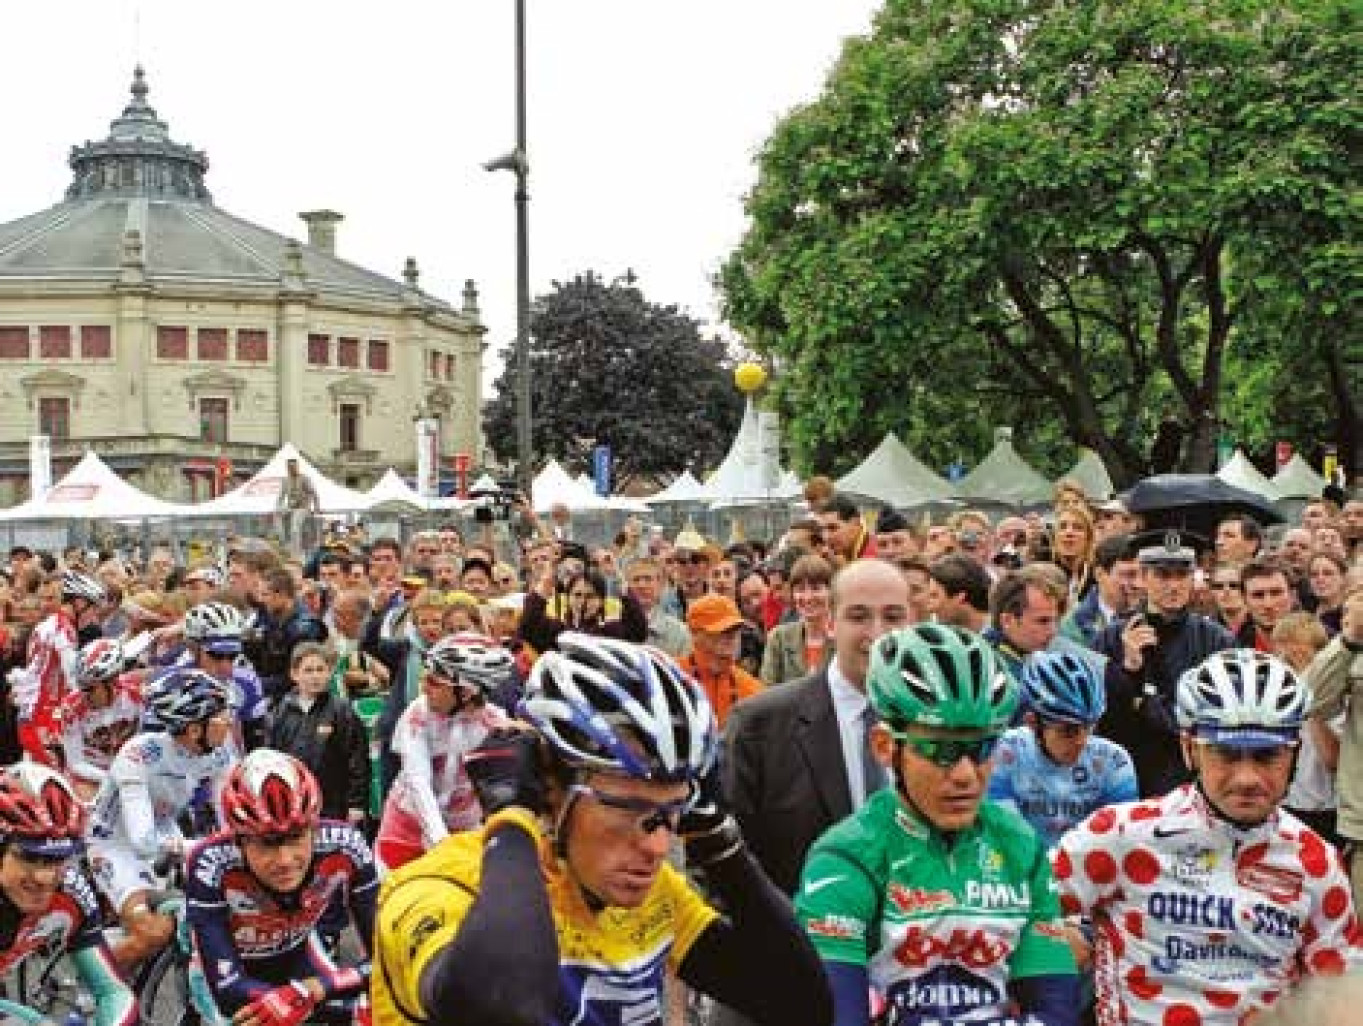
x=784 y=774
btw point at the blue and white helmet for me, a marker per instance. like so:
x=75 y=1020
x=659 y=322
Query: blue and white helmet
x=616 y=707
x=1243 y=698
x=182 y=696
x=1063 y=687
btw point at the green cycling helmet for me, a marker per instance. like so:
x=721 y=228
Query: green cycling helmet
x=940 y=676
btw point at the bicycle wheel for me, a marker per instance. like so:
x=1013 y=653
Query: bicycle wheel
x=163 y=998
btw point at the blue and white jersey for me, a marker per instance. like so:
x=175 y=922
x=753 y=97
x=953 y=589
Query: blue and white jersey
x=1055 y=798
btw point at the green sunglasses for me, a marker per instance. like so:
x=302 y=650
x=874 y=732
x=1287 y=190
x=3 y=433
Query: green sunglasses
x=948 y=751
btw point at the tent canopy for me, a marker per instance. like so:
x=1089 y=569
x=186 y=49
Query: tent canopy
x=1004 y=476
x=91 y=490
x=1297 y=480
x=261 y=493
x=894 y=476
x=553 y=485
x=684 y=488
x=391 y=491
x=1090 y=474
x=739 y=477
x=1241 y=473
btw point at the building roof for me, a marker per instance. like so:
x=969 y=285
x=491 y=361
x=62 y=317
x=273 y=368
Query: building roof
x=138 y=180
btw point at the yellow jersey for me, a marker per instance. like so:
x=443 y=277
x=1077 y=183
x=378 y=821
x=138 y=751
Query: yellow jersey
x=611 y=963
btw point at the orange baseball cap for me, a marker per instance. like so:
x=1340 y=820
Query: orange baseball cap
x=713 y=614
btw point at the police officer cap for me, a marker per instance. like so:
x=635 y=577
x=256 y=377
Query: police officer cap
x=1170 y=552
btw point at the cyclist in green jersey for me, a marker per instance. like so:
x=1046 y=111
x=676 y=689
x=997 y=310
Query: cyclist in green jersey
x=931 y=903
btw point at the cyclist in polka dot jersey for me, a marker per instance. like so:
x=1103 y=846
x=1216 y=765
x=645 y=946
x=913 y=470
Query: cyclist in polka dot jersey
x=1210 y=902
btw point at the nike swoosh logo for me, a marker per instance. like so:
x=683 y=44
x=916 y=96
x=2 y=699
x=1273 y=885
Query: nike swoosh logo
x=815 y=886
x=1161 y=831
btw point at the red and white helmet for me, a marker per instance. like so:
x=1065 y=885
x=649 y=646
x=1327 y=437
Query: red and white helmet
x=100 y=661
x=270 y=793
x=39 y=811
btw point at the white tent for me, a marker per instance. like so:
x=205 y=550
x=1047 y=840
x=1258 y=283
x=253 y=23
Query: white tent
x=1297 y=480
x=894 y=476
x=684 y=488
x=1241 y=473
x=391 y=491
x=261 y=493
x=553 y=484
x=92 y=491
x=1004 y=476
x=739 y=478
x=1090 y=474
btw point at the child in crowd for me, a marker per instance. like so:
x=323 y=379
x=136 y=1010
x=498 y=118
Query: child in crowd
x=319 y=727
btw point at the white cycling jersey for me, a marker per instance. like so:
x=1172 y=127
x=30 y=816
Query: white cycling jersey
x=1199 y=922
x=151 y=782
x=433 y=796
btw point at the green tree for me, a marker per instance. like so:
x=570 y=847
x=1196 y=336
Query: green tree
x=610 y=367
x=1062 y=216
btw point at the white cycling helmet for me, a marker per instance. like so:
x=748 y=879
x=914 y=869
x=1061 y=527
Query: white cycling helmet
x=78 y=585
x=213 y=620
x=616 y=707
x=1243 y=698
x=472 y=659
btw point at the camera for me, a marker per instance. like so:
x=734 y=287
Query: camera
x=494 y=504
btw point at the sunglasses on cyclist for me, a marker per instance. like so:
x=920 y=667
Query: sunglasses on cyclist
x=946 y=752
x=646 y=816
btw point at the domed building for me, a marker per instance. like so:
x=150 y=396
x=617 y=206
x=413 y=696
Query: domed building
x=140 y=320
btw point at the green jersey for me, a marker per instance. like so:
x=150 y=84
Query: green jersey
x=941 y=924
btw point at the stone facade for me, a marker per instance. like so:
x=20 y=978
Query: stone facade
x=138 y=319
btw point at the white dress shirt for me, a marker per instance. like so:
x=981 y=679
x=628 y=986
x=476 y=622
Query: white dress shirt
x=849 y=703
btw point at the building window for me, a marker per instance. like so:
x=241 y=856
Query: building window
x=319 y=350
x=212 y=343
x=54 y=417
x=348 y=352
x=14 y=343
x=378 y=354
x=172 y=343
x=54 y=342
x=96 y=342
x=435 y=365
x=350 y=426
x=213 y=420
x=449 y=366
x=253 y=346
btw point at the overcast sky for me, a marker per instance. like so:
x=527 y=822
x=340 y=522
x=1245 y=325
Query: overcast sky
x=644 y=118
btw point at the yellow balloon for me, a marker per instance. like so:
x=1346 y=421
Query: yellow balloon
x=749 y=377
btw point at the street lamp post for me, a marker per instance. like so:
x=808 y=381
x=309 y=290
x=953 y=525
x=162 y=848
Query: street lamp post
x=517 y=162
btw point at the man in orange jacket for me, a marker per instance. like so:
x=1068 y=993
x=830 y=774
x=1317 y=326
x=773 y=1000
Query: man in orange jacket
x=715 y=625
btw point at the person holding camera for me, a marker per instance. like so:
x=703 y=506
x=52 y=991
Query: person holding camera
x=563 y=907
x=584 y=611
x=1147 y=654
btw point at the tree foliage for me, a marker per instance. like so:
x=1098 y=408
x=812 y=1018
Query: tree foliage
x=1075 y=218
x=607 y=366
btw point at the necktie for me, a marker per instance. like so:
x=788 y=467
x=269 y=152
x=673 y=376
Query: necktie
x=872 y=773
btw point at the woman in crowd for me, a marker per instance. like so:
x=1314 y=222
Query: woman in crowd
x=802 y=646
x=585 y=611
x=1072 y=549
x=1327 y=575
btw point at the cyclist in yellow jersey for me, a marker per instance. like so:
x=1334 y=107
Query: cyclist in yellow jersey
x=562 y=909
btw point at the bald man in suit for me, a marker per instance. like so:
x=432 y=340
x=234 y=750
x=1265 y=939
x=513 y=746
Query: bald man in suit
x=793 y=762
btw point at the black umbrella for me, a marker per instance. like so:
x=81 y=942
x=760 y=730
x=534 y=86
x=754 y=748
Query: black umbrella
x=1194 y=502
